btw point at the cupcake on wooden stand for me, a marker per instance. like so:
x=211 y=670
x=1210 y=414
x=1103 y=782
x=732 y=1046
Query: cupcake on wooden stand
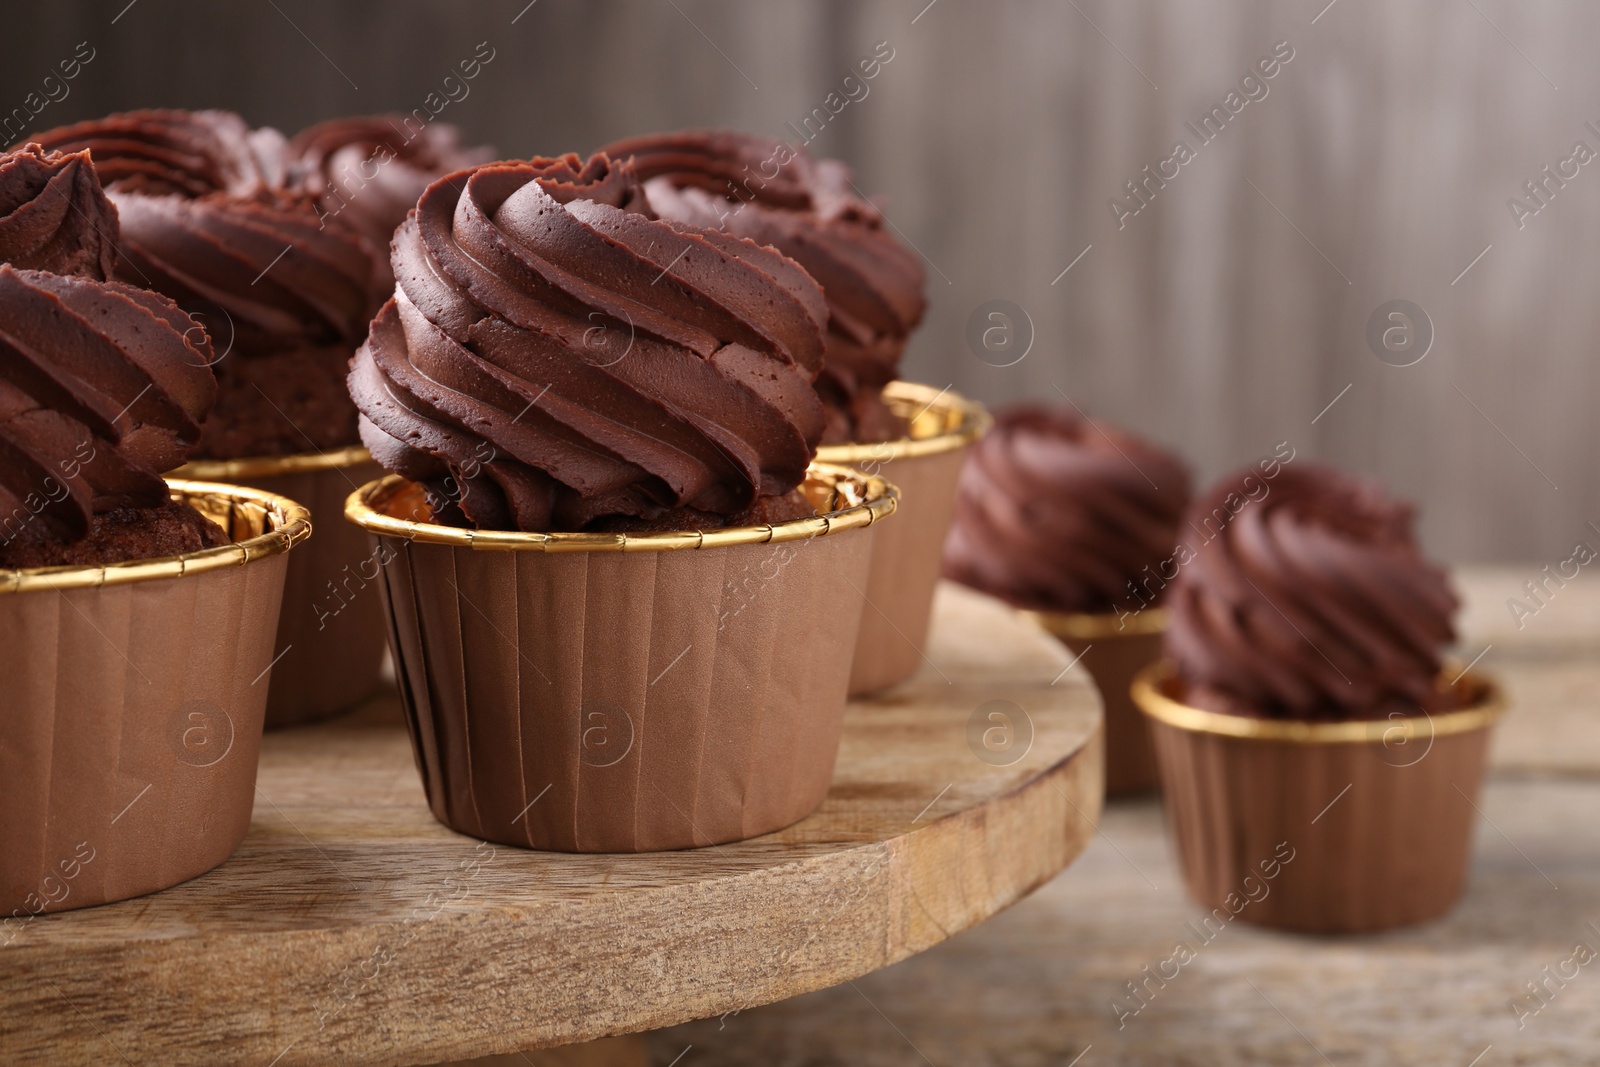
x=917 y=436
x=614 y=586
x=1076 y=522
x=280 y=249
x=136 y=616
x=1305 y=716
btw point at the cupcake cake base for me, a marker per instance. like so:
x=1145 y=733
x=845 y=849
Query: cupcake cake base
x=331 y=631
x=1326 y=827
x=650 y=691
x=132 y=732
x=1113 y=651
x=897 y=597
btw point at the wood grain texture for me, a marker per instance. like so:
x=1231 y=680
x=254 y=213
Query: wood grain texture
x=628 y=1051
x=350 y=927
x=1035 y=986
x=1222 y=319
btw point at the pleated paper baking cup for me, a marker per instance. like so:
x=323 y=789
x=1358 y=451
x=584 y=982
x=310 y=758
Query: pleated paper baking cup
x=897 y=599
x=1113 y=650
x=331 y=629
x=625 y=692
x=1341 y=827
x=134 y=699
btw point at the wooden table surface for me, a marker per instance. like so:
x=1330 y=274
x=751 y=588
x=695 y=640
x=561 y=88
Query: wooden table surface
x=352 y=928
x=1035 y=985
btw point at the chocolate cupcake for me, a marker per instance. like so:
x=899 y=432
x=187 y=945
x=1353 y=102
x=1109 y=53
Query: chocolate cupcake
x=1059 y=513
x=103 y=387
x=1304 y=663
x=556 y=358
x=776 y=194
x=613 y=582
x=1078 y=522
x=207 y=219
x=243 y=232
x=808 y=209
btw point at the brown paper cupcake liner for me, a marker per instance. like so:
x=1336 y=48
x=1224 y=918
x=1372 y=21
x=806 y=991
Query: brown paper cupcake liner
x=1376 y=818
x=134 y=700
x=1113 y=651
x=331 y=630
x=625 y=692
x=897 y=599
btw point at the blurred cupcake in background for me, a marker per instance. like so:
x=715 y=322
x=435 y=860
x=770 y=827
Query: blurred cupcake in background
x=368 y=171
x=135 y=619
x=281 y=252
x=1077 y=522
x=773 y=194
x=620 y=408
x=208 y=219
x=810 y=209
x=1305 y=706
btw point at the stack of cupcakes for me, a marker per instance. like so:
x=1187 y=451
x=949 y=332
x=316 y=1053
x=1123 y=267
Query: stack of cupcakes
x=280 y=251
x=136 y=619
x=810 y=210
x=612 y=577
x=1077 y=522
x=1305 y=709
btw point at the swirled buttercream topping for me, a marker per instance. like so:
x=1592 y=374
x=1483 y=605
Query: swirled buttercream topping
x=53 y=214
x=809 y=210
x=207 y=218
x=1059 y=513
x=1313 y=601
x=369 y=171
x=555 y=357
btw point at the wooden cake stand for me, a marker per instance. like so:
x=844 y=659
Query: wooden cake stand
x=352 y=928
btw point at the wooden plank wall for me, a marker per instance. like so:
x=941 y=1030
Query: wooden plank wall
x=1222 y=318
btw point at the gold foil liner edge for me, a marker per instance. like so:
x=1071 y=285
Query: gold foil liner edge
x=289 y=525
x=224 y=470
x=1148 y=694
x=941 y=421
x=1086 y=626
x=878 y=500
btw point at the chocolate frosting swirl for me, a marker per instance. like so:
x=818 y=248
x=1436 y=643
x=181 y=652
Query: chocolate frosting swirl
x=102 y=385
x=370 y=170
x=1058 y=513
x=54 y=215
x=809 y=210
x=208 y=220
x=1313 y=601
x=556 y=358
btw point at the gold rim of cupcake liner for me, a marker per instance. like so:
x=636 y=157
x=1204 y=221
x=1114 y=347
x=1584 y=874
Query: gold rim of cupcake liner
x=290 y=524
x=1153 y=701
x=871 y=499
x=941 y=420
x=221 y=470
x=1100 y=626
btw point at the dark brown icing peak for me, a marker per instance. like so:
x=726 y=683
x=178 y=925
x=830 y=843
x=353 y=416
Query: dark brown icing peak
x=557 y=358
x=102 y=385
x=1313 y=601
x=53 y=214
x=1059 y=513
x=773 y=194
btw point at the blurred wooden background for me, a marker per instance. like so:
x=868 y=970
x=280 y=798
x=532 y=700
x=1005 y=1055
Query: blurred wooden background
x=1222 y=319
